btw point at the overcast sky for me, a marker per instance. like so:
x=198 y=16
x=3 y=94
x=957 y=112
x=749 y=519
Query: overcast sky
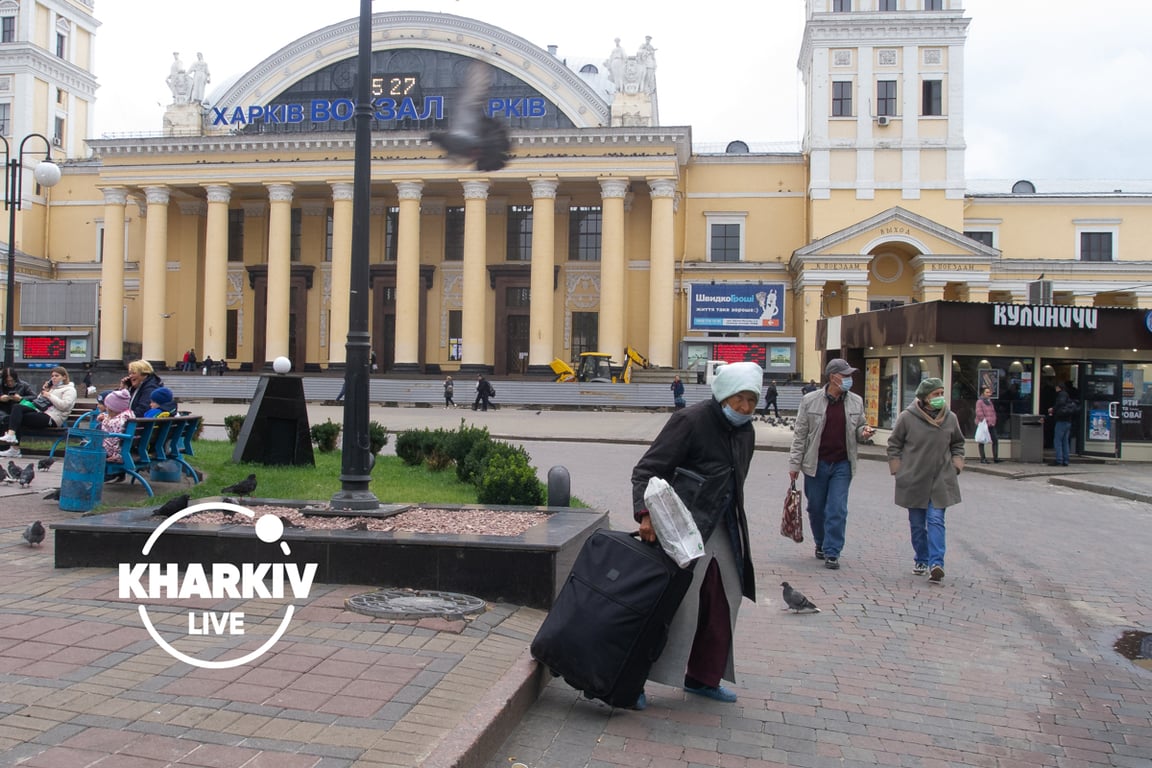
x=1055 y=89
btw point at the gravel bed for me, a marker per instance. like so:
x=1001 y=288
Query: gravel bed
x=418 y=520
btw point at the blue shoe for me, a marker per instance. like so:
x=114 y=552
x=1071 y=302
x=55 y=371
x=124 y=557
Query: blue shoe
x=719 y=692
x=641 y=702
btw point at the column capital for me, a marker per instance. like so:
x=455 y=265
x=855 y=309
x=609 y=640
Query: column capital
x=341 y=190
x=157 y=195
x=475 y=189
x=115 y=195
x=613 y=187
x=662 y=187
x=409 y=190
x=280 y=193
x=544 y=188
x=218 y=193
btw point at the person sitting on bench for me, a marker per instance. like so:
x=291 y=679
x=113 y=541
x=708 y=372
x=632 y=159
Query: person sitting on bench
x=162 y=404
x=49 y=409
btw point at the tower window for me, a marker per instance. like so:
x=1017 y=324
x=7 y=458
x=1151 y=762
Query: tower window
x=886 y=98
x=842 y=98
x=841 y=6
x=61 y=45
x=933 y=5
x=8 y=29
x=932 y=98
x=889 y=5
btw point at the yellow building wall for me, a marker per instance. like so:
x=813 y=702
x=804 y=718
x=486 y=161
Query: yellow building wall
x=185 y=283
x=82 y=49
x=843 y=209
x=41 y=27
x=1047 y=230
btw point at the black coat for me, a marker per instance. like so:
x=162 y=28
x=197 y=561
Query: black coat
x=700 y=439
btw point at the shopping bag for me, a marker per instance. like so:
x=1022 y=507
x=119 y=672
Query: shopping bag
x=675 y=529
x=982 y=433
x=792 y=524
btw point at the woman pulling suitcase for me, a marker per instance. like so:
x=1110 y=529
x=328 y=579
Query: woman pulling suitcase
x=704 y=452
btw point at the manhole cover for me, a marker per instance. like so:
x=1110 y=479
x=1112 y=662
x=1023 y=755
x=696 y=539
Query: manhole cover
x=1135 y=646
x=414 y=604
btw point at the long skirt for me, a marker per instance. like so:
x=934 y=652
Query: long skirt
x=669 y=669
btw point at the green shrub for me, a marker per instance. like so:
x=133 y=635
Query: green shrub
x=510 y=479
x=232 y=425
x=472 y=467
x=412 y=445
x=325 y=435
x=377 y=437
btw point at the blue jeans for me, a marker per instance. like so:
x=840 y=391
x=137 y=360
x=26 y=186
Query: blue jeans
x=1061 y=431
x=927 y=534
x=827 y=494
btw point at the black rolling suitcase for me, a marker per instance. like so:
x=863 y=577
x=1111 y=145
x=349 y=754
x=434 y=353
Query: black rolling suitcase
x=610 y=621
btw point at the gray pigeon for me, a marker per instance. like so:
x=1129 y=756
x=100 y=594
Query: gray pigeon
x=13 y=473
x=28 y=475
x=472 y=135
x=52 y=495
x=45 y=464
x=796 y=600
x=34 y=534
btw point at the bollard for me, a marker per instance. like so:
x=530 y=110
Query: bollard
x=559 y=487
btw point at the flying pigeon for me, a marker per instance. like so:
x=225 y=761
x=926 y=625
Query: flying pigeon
x=27 y=475
x=45 y=464
x=34 y=534
x=243 y=488
x=172 y=506
x=472 y=134
x=796 y=600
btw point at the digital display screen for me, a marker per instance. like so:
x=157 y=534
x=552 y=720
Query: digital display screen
x=46 y=347
x=741 y=353
x=396 y=86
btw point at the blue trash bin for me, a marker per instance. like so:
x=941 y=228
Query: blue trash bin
x=82 y=483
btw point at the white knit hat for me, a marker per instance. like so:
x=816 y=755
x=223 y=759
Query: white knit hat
x=737 y=377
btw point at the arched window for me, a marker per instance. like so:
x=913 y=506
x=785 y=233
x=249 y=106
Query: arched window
x=736 y=148
x=1023 y=187
x=589 y=69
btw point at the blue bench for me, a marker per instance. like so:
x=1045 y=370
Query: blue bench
x=145 y=443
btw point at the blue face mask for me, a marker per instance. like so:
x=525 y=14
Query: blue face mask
x=845 y=382
x=735 y=418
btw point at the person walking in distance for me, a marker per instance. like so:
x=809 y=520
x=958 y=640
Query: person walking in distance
x=770 y=397
x=1063 y=411
x=829 y=424
x=986 y=412
x=484 y=391
x=926 y=455
x=678 y=393
x=449 y=387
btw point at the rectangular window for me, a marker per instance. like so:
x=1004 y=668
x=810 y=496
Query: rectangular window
x=61 y=45
x=297 y=234
x=520 y=297
x=100 y=242
x=725 y=242
x=455 y=334
x=8 y=29
x=391 y=233
x=983 y=237
x=584 y=228
x=5 y=117
x=328 y=227
x=519 y=245
x=889 y=5
x=231 y=333
x=932 y=97
x=61 y=96
x=933 y=5
x=841 y=98
x=454 y=234
x=1096 y=246
x=886 y=98
x=235 y=235
x=58 y=137
x=841 y=6
x=585 y=330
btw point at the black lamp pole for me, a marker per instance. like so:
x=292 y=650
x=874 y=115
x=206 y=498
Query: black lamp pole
x=357 y=460
x=47 y=174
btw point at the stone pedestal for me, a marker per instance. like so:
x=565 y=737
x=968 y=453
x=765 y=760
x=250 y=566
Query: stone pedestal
x=184 y=120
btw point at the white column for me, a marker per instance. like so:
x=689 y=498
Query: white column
x=341 y=272
x=408 y=274
x=215 y=336
x=112 y=277
x=475 y=285
x=540 y=322
x=279 y=273
x=661 y=275
x=154 y=285
x=612 y=272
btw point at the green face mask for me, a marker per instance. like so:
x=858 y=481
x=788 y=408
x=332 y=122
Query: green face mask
x=937 y=402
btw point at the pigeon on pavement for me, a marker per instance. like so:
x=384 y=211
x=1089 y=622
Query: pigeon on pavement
x=796 y=600
x=472 y=134
x=52 y=495
x=27 y=475
x=13 y=472
x=45 y=464
x=243 y=488
x=34 y=534
x=172 y=506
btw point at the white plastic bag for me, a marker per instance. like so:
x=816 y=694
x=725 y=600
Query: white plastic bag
x=982 y=434
x=675 y=529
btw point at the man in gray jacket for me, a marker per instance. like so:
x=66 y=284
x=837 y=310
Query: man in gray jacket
x=829 y=424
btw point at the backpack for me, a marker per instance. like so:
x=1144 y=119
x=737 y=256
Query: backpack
x=491 y=390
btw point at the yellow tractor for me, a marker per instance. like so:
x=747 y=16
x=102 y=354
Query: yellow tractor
x=599 y=367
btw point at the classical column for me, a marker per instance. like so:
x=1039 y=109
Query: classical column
x=811 y=294
x=541 y=323
x=408 y=277
x=475 y=281
x=153 y=286
x=856 y=298
x=932 y=292
x=279 y=274
x=341 y=273
x=661 y=350
x=112 y=281
x=977 y=292
x=1078 y=299
x=215 y=295
x=611 y=320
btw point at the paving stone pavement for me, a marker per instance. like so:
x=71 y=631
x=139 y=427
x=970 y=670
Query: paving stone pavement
x=1008 y=663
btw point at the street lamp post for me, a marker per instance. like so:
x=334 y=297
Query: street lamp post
x=356 y=458
x=47 y=174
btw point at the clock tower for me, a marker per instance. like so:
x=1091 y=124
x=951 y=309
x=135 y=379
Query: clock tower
x=884 y=106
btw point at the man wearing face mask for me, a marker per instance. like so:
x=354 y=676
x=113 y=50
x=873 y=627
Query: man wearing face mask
x=713 y=439
x=829 y=424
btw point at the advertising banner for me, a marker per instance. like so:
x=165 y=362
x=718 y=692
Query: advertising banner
x=744 y=306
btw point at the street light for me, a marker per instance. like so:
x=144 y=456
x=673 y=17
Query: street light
x=47 y=174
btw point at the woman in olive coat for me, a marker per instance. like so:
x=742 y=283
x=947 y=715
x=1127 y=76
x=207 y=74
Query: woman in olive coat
x=926 y=454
